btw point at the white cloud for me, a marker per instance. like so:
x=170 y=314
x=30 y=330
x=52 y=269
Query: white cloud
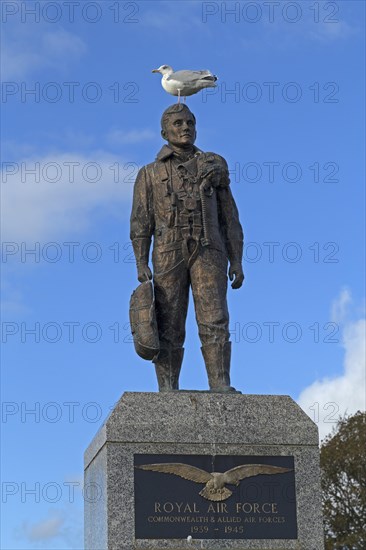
x=332 y=31
x=63 y=195
x=329 y=398
x=46 y=529
x=25 y=52
x=59 y=525
x=61 y=44
x=35 y=208
x=340 y=306
x=316 y=24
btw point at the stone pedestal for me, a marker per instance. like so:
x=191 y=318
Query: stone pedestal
x=265 y=427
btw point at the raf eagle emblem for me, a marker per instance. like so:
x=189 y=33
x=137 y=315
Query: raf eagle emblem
x=215 y=482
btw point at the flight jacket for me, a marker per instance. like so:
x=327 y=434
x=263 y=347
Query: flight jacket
x=155 y=214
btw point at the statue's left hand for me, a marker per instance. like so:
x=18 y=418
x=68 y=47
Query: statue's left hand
x=143 y=272
x=236 y=273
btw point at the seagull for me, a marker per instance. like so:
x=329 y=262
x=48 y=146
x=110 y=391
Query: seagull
x=215 y=482
x=183 y=83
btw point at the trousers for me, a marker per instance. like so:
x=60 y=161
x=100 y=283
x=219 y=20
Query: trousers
x=207 y=277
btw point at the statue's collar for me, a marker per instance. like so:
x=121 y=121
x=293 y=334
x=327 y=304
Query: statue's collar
x=166 y=152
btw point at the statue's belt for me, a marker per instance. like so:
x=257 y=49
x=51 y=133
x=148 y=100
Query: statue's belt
x=189 y=219
x=190 y=202
x=189 y=226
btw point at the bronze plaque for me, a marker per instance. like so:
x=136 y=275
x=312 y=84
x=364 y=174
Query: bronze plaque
x=214 y=497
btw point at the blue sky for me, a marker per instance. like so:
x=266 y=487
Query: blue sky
x=288 y=115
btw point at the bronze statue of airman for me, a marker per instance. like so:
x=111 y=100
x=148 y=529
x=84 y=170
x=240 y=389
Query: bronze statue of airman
x=184 y=203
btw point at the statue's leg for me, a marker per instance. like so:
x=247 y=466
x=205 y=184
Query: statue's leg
x=217 y=360
x=171 y=285
x=209 y=286
x=167 y=368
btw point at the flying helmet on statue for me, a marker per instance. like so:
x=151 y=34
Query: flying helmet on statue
x=143 y=321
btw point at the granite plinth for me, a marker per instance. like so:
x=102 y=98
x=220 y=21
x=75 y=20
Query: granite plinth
x=197 y=423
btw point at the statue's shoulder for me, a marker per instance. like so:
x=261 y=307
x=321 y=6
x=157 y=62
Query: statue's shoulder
x=153 y=172
x=150 y=167
x=209 y=156
x=209 y=163
x=147 y=170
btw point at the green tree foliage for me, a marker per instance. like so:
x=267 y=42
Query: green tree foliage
x=343 y=465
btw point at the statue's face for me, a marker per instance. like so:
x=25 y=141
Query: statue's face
x=180 y=130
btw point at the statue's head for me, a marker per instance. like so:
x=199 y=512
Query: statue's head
x=178 y=126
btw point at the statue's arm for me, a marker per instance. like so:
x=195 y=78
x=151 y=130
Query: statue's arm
x=142 y=223
x=232 y=231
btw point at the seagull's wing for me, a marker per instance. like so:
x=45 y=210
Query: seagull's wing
x=182 y=470
x=235 y=475
x=191 y=76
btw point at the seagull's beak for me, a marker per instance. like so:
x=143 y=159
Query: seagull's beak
x=155 y=71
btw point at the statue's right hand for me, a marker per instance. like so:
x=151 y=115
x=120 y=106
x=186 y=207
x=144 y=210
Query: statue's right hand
x=143 y=273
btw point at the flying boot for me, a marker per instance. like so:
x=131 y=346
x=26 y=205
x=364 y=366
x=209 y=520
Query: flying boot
x=217 y=360
x=167 y=366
